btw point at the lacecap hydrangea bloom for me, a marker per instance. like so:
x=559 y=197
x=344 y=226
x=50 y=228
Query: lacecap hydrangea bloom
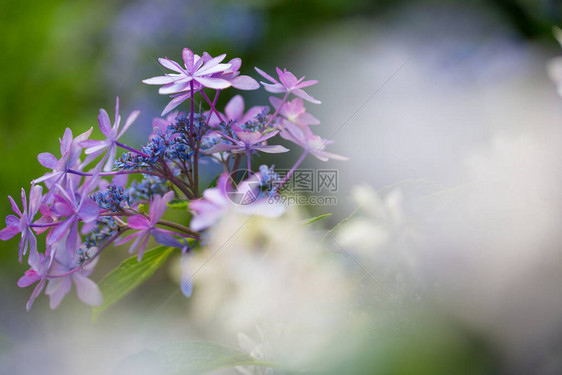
x=102 y=192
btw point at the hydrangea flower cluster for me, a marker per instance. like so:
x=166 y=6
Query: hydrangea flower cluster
x=85 y=203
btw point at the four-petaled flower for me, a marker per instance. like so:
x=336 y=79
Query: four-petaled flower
x=73 y=207
x=288 y=83
x=64 y=272
x=310 y=142
x=294 y=111
x=234 y=111
x=70 y=150
x=146 y=227
x=94 y=148
x=22 y=224
x=248 y=142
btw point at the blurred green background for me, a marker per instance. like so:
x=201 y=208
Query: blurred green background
x=63 y=60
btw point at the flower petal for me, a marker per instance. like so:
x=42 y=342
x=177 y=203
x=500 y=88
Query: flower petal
x=87 y=290
x=105 y=122
x=47 y=160
x=213 y=83
x=245 y=83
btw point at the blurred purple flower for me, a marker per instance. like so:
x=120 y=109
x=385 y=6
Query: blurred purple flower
x=294 y=111
x=288 y=84
x=215 y=202
x=65 y=271
x=248 y=142
x=310 y=142
x=234 y=111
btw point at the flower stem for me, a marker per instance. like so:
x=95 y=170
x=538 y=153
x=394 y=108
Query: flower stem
x=277 y=111
x=179 y=227
x=249 y=159
x=213 y=108
x=292 y=170
x=131 y=149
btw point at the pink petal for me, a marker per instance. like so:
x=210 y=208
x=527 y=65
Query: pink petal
x=66 y=141
x=159 y=206
x=35 y=196
x=28 y=278
x=138 y=222
x=8 y=232
x=105 y=123
x=170 y=64
x=15 y=207
x=235 y=108
x=213 y=83
x=160 y=80
x=175 y=87
x=132 y=117
x=245 y=83
x=57 y=289
x=47 y=160
x=38 y=289
x=287 y=78
x=188 y=58
x=58 y=231
x=87 y=290
x=88 y=211
x=265 y=75
x=175 y=102
x=301 y=94
x=270 y=149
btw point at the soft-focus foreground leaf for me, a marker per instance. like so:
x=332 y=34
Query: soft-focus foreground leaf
x=130 y=274
x=315 y=219
x=185 y=358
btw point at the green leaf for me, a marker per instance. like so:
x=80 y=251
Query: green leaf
x=189 y=358
x=179 y=204
x=315 y=219
x=214 y=182
x=130 y=274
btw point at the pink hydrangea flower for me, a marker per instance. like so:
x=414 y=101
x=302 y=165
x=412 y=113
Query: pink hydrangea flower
x=234 y=110
x=294 y=111
x=248 y=142
x=57 y=287
x=216 y=202
x=94 y=148
x=240 y=82
x=70 y=150
x=288 y=83
x=160 y=125
x=69 y=208
x=147 y=227
x=310 y=142
x=15 y=225
x=198 y=72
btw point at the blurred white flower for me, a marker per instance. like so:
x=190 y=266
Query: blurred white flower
x=272 y=272
x=377 y=218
